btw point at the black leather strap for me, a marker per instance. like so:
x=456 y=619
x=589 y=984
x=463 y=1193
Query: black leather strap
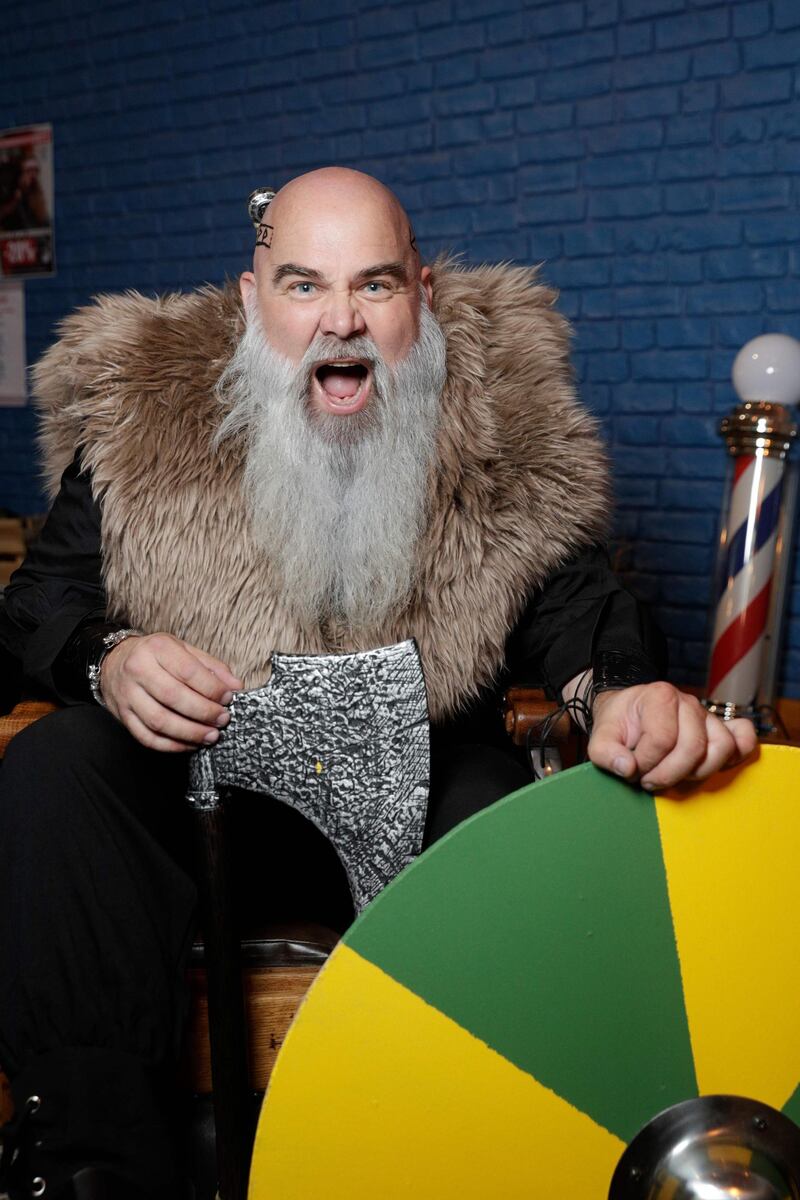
x=621 y=668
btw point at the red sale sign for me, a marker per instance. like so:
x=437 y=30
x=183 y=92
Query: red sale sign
x=26 y=201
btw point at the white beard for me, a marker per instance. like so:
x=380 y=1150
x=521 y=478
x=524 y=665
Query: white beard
x=337 y=503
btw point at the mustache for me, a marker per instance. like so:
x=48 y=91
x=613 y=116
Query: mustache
x=329 y=349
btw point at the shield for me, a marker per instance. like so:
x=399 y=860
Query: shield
x=540 y=984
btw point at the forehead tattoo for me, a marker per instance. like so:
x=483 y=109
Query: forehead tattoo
x=257 y=204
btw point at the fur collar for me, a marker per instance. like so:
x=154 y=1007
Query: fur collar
x=521 y=482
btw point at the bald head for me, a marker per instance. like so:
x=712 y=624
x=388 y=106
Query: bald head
x=338 y=197
x=336 y=258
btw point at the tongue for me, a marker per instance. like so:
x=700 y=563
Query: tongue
x=340 y=385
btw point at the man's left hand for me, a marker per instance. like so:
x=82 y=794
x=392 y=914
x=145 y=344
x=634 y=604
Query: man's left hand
x=656 y=734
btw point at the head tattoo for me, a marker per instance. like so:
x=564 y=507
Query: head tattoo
x=257 y=204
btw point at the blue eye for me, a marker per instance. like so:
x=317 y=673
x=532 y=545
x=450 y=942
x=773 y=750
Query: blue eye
x=374 y=287
x=304 y=288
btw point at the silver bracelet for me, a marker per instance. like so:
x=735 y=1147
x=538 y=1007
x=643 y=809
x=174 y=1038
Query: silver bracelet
x=107 y=643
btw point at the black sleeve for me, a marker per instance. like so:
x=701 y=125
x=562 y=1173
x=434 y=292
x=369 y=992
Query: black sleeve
x=584 y=617
x=57 y=591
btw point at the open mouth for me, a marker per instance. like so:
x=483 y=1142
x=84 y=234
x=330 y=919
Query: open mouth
x=342 y=385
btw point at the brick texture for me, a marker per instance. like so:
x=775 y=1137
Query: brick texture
x=646 y=151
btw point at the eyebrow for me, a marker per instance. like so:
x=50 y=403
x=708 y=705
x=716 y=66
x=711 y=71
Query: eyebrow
x=286 y=269
x=395 y=269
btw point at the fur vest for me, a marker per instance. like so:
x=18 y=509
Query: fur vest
x=521 y=482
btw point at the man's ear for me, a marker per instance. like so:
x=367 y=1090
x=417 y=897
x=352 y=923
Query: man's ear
x=425 y=280
x=247 y=286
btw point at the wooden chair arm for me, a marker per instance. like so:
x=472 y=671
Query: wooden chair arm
x=22 y=715
x=526 y=708
x=12 y=547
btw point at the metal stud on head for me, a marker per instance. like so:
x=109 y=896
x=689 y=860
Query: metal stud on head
x=258 y=202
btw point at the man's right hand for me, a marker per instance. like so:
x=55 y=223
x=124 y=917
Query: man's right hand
x=168 y=694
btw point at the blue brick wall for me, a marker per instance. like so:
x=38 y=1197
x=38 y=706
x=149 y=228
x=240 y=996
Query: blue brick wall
x=647 y=151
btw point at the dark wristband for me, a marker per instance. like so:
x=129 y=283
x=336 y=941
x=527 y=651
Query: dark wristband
x=621 y=668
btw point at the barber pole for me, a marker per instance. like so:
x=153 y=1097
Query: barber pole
x=745 y=587
x=756 y=532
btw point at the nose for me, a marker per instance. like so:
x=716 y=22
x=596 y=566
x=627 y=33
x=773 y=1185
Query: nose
x=341 y=316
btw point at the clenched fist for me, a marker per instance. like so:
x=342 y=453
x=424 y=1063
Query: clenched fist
x=656 y=734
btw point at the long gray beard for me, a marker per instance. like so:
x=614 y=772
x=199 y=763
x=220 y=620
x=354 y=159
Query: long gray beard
x=337 y=503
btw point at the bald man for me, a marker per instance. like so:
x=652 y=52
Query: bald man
x=360 y=450
x=337 y=265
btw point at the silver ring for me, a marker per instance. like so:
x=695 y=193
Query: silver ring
x=38 y=1186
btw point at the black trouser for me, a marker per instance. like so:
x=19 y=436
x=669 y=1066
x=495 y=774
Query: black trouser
x=97 y=903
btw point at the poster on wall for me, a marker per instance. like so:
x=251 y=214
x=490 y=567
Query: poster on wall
x=26 y=202
x=12 y=343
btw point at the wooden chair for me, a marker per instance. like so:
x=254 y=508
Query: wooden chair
x=12 y=546
x=25 y=713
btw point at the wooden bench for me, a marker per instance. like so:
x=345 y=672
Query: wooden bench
x=16 y=534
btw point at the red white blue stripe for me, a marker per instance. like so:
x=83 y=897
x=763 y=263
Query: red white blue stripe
x=745 y=582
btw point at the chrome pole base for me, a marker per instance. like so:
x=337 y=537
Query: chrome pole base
x=712 y=1148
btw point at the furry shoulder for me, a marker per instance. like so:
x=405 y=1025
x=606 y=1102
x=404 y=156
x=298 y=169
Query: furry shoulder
x=513 y=431
x=130 y=350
